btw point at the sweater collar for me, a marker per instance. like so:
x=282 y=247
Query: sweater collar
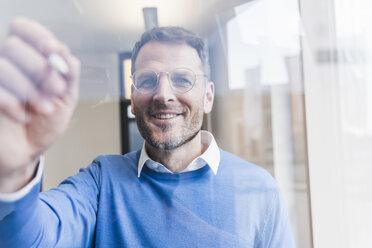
x=211 y=157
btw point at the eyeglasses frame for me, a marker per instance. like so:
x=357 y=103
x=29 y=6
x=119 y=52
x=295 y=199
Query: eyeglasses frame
x=169 y=80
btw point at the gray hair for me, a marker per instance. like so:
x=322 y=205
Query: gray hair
x=172 y=35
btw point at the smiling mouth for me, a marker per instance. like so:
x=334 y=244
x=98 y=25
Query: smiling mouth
x=165 y=116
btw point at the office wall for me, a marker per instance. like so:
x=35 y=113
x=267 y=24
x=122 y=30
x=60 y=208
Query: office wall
x=95 y=125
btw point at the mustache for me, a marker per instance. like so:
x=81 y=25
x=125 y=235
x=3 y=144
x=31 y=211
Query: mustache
x=156 y=107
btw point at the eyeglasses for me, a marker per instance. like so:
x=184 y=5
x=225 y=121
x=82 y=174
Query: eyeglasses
x=181 y=80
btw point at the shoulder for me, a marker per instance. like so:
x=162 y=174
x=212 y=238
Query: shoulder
x=116 y=163
x=112 y=159
x=240 y=169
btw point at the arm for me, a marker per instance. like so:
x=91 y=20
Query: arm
x=62 y=217
x=36 y=103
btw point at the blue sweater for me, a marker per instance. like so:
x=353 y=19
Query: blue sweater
x=107 y=205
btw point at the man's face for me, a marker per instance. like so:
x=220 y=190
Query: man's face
x=167 y=119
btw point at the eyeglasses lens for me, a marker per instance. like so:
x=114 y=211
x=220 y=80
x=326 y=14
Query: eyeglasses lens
x=182 y=80
x=145 y=81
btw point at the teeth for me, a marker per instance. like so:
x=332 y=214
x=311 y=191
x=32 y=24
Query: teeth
x=165 y=116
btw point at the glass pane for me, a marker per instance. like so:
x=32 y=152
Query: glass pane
x=259 y=111
x=256 y=63
x=337 y=63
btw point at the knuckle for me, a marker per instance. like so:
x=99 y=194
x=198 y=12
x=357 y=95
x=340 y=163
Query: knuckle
x=49 y=45
x=11 y=43
x=4 y=64
x=65 y=48
x=16 y=23
x=38 y=74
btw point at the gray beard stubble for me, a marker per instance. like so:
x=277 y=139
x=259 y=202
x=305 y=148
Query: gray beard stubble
x=168 y=145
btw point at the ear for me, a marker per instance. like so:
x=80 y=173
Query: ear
x=132 y=100
x=208 y=97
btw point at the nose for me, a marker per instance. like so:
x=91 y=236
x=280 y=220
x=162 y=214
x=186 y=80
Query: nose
x=164 y=92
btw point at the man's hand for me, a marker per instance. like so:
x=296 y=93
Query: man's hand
x=36 y=101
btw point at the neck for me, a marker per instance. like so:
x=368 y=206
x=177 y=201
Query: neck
x=177 y=159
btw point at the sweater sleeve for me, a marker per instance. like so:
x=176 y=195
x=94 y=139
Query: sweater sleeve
x=61 y=217
x=276 y=232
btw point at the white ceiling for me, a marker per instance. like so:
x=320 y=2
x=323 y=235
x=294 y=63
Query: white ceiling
x=112 y=25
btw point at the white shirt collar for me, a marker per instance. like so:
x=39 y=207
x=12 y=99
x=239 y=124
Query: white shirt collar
x=211 y=157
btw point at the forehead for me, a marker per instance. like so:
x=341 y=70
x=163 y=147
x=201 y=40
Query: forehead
x=160 y=56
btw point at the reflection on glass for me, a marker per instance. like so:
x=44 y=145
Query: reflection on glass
x=256 y=65
x=260 y=113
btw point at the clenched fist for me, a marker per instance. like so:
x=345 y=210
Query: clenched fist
x=36 y=100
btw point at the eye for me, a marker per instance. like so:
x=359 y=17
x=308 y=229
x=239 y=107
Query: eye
x=146 y=82
x=181 y=81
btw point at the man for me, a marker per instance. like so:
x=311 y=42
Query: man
x=179 y=190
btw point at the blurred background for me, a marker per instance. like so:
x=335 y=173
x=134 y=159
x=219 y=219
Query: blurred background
x=293 y=95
